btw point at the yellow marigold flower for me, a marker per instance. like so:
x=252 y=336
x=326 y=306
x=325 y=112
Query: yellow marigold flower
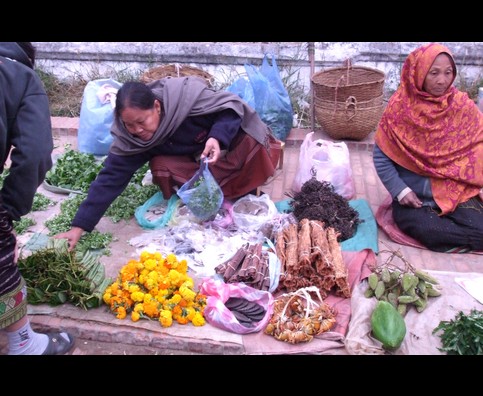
x=137 y=296
x=174 y=277
x=198 y=319
x=150 y=283
x=145 y=255
x=189 y=282
x=171 y=260
x=121 y=312
x=187 y=293
x=134 y=287
x=150 y=264
x=142 y=279
x=158 y=256
x=175 y=299
x=135 y=316
x=139 y=307
x=165 y=318
x=106 y=297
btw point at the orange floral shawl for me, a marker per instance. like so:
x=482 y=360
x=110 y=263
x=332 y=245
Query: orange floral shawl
x=438 y=137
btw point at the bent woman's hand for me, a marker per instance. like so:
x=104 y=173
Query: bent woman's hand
x=412 y=200
x=480 y=194
x=72 y=236
x=211 y=151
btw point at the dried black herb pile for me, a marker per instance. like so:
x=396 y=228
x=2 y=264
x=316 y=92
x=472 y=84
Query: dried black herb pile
x=317 y=200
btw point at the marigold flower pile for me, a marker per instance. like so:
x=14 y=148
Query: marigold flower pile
x=156 y=287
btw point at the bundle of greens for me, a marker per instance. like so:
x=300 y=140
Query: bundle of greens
x=55 y=276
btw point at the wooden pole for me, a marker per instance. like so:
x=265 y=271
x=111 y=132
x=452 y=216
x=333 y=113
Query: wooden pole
x=311 y=51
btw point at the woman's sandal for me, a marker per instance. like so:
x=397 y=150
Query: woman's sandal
x=58 y=345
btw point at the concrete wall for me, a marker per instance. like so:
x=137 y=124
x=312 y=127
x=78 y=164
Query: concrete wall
x=225 y=60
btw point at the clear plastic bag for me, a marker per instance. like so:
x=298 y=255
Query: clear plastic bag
x=218 y=315
x=202 y=193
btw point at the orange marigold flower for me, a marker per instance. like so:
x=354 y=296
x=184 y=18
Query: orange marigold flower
x=135 y=316
x=182 y=320
x=177 y=310
x=121 y=312
x=151 y=309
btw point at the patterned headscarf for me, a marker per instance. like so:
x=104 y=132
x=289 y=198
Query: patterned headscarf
x=438 y=137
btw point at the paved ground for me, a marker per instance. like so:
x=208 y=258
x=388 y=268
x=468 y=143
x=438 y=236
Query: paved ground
x=99 y=333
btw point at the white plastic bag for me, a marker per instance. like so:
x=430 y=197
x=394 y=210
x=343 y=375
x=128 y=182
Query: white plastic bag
x=330 y=161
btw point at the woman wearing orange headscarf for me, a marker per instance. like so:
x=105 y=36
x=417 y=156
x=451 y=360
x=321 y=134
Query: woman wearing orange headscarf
x=428 y=153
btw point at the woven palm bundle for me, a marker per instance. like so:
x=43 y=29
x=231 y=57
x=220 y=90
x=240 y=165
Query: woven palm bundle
x=175 y=70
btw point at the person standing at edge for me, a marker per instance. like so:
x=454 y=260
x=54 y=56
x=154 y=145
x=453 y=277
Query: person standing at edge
x=428 y=153
x=173 y=123
x=26 y=135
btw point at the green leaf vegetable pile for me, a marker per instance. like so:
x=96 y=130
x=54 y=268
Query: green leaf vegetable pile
x=462 y=335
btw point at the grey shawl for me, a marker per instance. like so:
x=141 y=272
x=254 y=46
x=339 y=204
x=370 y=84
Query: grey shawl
x=184 y=97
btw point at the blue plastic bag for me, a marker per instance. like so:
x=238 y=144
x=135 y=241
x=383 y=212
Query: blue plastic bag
x=96 y=116
x=266 y=93
x=162 y=221
x=202 y=193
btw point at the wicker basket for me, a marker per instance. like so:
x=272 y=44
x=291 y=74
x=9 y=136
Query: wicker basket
x=175 y=70
x=338 y=83
x=350 y=119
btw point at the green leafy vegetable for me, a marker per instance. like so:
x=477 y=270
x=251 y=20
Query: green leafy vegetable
x=462 y=335
x=74 y=171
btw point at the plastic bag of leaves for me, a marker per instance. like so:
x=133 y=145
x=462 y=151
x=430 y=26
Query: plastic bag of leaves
x=202 y=194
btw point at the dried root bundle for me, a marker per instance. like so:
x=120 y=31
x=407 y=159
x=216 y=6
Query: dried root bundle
x=297 y=317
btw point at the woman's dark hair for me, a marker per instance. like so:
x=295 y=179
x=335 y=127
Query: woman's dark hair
x=134 y=94
x=29 y=50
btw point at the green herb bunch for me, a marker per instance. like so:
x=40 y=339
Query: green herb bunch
x=204 y=200
x=462 y=335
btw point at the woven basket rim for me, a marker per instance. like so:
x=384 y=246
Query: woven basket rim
x=382 y=76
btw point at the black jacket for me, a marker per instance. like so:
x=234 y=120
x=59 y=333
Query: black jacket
x=25 y=130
